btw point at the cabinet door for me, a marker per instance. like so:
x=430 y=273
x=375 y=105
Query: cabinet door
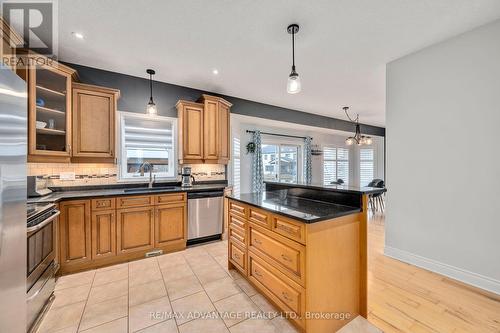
x=75 y=232
x=192 y=132
x=49 y=123
x=224 y=133
x=135 y=229
x=94 y=111
x=170 y=224
x=103 y=234
x=211 y=130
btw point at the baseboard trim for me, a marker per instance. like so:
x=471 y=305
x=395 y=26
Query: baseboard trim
x=455 y=273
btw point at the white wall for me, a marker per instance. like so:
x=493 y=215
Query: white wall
x=322 y=137
x=443 y=164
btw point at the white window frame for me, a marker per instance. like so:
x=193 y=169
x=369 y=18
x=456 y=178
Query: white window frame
x=300 y=157
x=336 y=160
x=374 y=162
x=236 y=167
x=121 y=155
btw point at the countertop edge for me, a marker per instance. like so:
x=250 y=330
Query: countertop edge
x=310 y=221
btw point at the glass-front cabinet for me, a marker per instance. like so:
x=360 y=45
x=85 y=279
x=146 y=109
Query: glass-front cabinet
x=49 y=112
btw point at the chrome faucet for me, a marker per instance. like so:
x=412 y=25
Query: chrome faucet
x=149 y=166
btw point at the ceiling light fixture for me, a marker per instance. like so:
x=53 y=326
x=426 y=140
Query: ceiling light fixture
x=215 y=71
x=293 y=85
x=77 y=35
x=357 y=138
x=151 y=107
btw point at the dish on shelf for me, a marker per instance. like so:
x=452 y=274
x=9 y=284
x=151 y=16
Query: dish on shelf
x=40 y=102
x=41 y=124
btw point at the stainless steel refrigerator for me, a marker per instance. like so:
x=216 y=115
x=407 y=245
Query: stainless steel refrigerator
x=13 y=149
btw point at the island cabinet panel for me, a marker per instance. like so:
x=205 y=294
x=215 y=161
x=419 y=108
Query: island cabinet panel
x=314 y=268
x=135 y=229
x=94 y=110
x=289 y=296
x=75 y=230
x=287 y=256
x=103 y=234
x=170 y=224
x=238 y=257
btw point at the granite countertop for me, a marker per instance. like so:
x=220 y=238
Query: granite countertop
x=333 y=188
x=301 y=209
x=118 y=191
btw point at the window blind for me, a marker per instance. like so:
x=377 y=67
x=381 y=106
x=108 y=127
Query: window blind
x=366 y=166
x=236 y=166
x=335 y=165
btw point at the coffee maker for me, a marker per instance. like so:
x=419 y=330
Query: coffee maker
x=187 y=178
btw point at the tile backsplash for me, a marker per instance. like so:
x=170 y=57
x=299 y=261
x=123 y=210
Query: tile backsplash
x=104 y=174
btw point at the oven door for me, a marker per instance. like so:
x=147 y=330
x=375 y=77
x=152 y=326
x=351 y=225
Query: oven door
x=41 y=246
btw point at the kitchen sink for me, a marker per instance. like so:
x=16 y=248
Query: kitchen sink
x=154 y=189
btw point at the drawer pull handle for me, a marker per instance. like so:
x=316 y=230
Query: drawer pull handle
x=286 y=297
x=286 y=258
x=237 y=256
x=257 y=273
x=257 y=241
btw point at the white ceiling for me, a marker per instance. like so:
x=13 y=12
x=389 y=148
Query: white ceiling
x=341 y=49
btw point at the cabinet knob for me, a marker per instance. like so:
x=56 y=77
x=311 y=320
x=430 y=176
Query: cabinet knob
x=286 y=258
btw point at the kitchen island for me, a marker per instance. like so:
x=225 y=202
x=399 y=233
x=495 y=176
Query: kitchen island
x=305 y=248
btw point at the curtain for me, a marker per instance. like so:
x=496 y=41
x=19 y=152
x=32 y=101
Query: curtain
x=257 y=166
x=308 y=159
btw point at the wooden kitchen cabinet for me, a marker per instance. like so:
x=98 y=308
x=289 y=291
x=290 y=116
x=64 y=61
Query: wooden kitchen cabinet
x=94 y=111
x=170 y=224
x=191 y=138
x=204 y=132
x=75 y=232
x=135 y=229
x=10 y=41
x=103 y=234
x=49 y=111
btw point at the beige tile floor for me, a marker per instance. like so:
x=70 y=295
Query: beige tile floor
x=141 y=296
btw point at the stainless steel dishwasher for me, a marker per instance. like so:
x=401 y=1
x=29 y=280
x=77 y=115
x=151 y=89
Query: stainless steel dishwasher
x=205 y=218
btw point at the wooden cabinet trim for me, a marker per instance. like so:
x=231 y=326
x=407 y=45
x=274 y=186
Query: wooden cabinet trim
x=238 y=257
x=237 y=208
x=103 y=204
x=162 y=199
x=259 y=217
x=134 y=201
x=289 y=228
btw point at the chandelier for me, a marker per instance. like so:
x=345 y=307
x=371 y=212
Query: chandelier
x=358 y=138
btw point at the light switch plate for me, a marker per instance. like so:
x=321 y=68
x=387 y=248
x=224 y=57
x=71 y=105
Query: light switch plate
x=67 y=176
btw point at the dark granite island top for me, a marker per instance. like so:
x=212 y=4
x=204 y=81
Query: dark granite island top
x=301 y=209
x=330 y=188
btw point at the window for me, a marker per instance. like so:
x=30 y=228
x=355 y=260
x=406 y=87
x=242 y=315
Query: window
x=147 y=139
x=366 y=166
x=236 y=165
x=281 y=162
x=335 y=165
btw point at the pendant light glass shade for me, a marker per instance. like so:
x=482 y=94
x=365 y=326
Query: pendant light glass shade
x=151 y=107
x=293 y=85
x=358 y=138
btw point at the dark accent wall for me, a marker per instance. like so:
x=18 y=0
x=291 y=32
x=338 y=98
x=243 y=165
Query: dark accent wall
x=135 y=94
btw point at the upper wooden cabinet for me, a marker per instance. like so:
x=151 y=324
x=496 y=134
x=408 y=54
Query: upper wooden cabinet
x=10 y=41
x=94 y=110
x=49 y=111
x=204 y=130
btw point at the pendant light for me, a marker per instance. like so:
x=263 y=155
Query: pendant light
x=357 y=138
x=293 y=85
x=151 y=107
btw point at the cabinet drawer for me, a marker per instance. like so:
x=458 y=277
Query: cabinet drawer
x=103 y=204
x=134 y=201
x=237 y=220
x=162 y=199
x=289 y=256
x=237 y=208
x=259 y=217
x=287 y=294
x=237 y=234
x=290 y=229
x=238 y=257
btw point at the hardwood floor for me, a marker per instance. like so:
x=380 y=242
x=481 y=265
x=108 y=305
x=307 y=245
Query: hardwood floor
x=405 y=298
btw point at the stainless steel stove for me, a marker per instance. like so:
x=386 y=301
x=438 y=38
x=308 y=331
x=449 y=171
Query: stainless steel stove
x=41 y=220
